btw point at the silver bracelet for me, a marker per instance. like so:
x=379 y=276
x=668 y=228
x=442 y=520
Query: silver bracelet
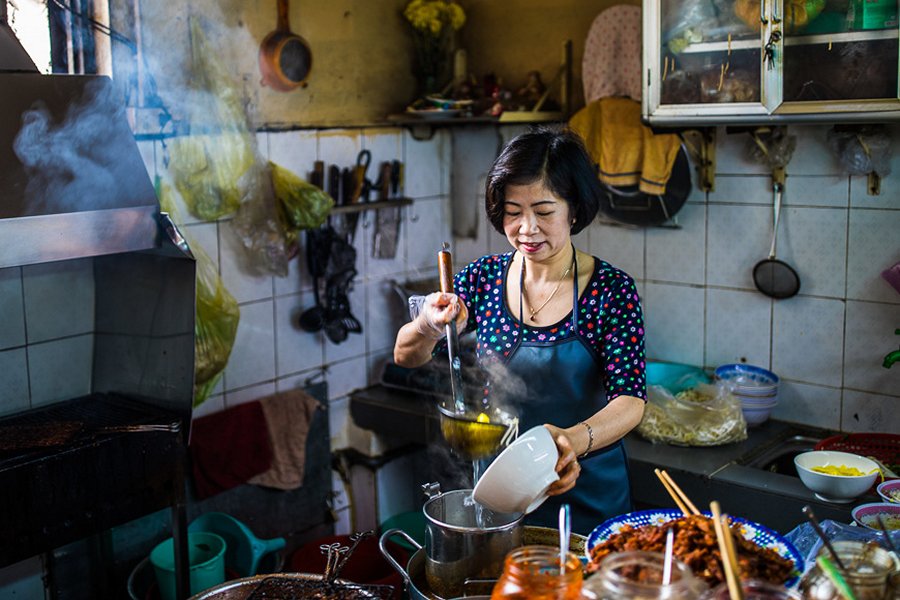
x=590 y=439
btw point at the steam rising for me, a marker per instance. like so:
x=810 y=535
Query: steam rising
x=76 y=163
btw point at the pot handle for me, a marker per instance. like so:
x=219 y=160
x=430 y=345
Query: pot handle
x=382 y=545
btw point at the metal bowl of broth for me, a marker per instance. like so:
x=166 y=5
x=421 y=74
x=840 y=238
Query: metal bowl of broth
x=475 y=435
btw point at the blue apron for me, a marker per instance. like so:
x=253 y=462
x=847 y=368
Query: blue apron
x=564 y=380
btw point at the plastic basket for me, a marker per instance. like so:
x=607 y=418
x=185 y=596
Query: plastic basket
x=883 y=446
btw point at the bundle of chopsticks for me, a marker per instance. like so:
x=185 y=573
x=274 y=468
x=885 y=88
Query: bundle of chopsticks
x=723 y=532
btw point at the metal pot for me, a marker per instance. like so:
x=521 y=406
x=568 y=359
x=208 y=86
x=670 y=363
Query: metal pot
x=417 y=583
x=462 y=540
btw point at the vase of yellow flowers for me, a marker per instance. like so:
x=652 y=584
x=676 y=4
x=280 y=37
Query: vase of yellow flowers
x=434 y=23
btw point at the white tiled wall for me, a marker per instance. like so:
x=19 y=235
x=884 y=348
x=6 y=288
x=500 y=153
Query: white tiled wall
x=702 y=308
x=271 y=351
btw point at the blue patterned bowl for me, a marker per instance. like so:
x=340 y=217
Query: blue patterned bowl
x=754 y=532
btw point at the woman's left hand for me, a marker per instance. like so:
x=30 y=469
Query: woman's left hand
x=567 y=465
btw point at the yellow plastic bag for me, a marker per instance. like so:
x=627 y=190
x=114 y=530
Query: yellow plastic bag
x=207 y=170
x=217 y=169
x=217 y=313
x=305 y=206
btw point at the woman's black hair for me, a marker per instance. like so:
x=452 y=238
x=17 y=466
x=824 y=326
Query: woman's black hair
x=555 y=157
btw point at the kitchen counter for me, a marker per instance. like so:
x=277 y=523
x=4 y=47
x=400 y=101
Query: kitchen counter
x=722 y=473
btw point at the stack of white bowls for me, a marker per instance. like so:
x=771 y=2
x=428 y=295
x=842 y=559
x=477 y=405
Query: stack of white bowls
x=755 y=387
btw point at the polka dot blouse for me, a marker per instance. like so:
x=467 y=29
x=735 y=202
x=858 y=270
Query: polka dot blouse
x=609 y=320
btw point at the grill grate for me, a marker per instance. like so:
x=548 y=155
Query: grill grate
x=30 y=434
x=281 y=588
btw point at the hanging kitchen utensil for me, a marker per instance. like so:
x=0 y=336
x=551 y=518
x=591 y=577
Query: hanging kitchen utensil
x=387 y=220
x=773 y=277
x=285 y=59
x=359 y=188
x=318 y=250
x=631 y=206
x=339 y=320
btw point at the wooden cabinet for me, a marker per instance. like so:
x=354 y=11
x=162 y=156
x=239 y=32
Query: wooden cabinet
x=769 y=61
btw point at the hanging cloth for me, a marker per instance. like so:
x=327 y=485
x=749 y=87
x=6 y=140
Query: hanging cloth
x=611 y=65
x=627 y=151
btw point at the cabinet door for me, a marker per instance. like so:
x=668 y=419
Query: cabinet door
x=840 y=55
x=711 y=60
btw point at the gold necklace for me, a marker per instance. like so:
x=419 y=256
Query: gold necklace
x=535 y=311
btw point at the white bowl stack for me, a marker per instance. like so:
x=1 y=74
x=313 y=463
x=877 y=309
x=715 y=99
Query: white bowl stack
x=755 y=387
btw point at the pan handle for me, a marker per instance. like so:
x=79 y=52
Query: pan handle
x=283 y=22
x=777 y=191
x=382 y=545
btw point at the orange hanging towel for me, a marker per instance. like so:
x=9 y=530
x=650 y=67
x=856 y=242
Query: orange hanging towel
x=628 y=152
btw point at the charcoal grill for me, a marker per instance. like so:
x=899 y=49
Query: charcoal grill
x=110 y=445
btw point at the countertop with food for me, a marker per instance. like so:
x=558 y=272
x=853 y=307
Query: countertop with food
x=751 y=477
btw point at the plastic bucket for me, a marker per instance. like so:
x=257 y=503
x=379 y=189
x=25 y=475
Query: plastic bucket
x=244 y=550
x=206 y=556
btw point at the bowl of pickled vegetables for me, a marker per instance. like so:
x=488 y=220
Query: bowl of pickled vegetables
x=890 y=490
x=868 y=515
x=836 y=476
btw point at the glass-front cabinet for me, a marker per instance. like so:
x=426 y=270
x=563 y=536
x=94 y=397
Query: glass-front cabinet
x=753 y=61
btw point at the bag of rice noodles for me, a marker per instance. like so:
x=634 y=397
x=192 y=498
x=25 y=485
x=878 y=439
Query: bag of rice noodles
x=704 y=415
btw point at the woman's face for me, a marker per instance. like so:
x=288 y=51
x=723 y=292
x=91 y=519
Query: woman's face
x=536 y=221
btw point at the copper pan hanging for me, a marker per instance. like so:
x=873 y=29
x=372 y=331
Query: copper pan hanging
x=285 y=59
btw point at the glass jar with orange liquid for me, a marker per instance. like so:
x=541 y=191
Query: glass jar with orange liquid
x=537 y=573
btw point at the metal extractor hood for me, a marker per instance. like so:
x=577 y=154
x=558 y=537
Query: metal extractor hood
x=72 y=181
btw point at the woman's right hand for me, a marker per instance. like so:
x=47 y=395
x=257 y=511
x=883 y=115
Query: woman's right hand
x=437 y=311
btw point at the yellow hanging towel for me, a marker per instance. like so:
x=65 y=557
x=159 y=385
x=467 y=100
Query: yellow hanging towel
x=627 y=152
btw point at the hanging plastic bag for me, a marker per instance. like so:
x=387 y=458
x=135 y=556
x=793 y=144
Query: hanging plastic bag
x=215 y=169
x=217 y=312
x=305 y=206
x=207 y=170
x=863 y=150
x=261 y=225
x=772 y=147
x=705 y=415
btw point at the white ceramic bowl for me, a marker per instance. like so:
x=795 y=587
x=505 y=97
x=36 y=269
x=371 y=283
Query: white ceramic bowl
x=866 y=515
x=748 y=379
x=889 y=490
x=835 y=488
x=756 y=416
x=517 y=480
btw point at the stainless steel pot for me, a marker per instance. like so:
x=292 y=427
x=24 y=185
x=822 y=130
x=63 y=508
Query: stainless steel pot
x=417 y=586
x=463 y=540
x=414 y=574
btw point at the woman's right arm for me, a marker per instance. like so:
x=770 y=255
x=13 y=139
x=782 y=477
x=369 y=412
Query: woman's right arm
x=416 y=340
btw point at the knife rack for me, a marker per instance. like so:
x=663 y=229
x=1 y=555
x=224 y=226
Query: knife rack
x=373 y=205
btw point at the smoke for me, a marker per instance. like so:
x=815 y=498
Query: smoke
x=202 y=69
x=76 y=163
x=448 y=469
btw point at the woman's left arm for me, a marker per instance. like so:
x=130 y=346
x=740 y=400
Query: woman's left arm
x=606 y=426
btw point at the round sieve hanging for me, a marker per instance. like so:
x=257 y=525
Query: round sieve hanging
x=773 y=277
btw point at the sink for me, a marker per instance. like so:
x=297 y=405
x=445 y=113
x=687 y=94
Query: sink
x=779 y=458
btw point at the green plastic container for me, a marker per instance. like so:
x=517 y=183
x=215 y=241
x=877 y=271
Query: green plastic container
x=206 y=552
x=243 y=549
x=412 y=523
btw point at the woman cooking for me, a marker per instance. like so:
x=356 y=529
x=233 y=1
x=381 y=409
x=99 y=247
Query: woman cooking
x=567 y=324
